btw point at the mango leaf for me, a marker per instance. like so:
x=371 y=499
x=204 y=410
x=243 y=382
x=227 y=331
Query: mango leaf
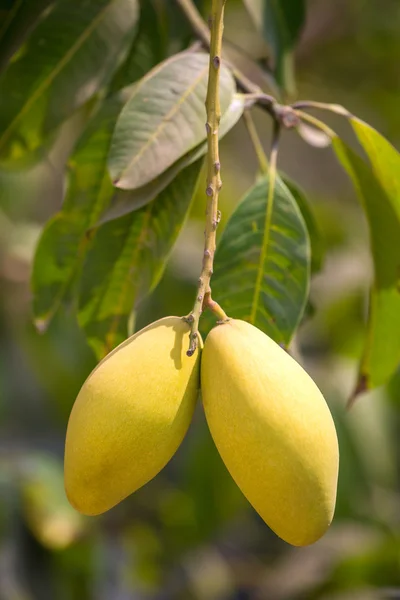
x=148 y=49
x=316 y=241
x=16 y=23
x=280 y=22
x=92 y=200
x=63 y=242
x=262 y=266
x=164 y=119
x=126 y=261
x=70 y=55
x=124 y=202
x=378 y=188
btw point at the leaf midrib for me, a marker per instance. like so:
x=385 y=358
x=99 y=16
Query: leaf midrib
x=49 y=79
x=163 y=123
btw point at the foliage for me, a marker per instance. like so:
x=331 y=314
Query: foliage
x=102 y=135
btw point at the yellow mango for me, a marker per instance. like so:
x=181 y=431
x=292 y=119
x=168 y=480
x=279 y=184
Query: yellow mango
x=130 y=416
x=273 y=430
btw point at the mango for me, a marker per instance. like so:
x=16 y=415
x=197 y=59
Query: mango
x=273 y=430
x=130 y=416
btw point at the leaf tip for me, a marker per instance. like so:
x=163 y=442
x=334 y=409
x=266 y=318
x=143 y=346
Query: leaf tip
x=361 y=387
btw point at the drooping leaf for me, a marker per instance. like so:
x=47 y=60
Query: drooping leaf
x=16 y=21
x=378 y=187
x=262 y=266
x=164 y=119
x=124 y=202
x=127 y=258
x=280 y=22
x=70 y=55
x=63 y=242
x=148 y=49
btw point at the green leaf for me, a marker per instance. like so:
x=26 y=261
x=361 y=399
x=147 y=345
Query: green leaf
x=126 y=261
x=317 y=244
x=148 y=49
x=70 y=55
x=164 y=119
x=64 y=241
x=378 y=187
x=16 y=23
x=124 y=202
x=280 y=22
x=262 y=266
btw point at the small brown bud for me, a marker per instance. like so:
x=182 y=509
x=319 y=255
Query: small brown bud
x=216 y=62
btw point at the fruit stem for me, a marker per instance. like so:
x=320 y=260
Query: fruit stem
x=214 y=183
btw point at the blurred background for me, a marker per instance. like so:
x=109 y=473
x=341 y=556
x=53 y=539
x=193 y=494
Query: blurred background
x=189 y=533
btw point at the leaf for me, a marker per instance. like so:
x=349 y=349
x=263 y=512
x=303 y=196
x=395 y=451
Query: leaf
x=378 y=187
x=63 y=242
x=148 y=49
x=280 y=22
x=68 y=58
x=313 y=136
x=126 y=261
x=262 y=272
x=164 y=119
x=317 y=244
x=17 y=23
x=124 y=202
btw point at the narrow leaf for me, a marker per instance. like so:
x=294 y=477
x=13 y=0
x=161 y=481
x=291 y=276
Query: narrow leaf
x=63 y=242
x=126 y=261
x=280 y=22
x=262 y=272
x=124 y=202
x=148 y=49
x=378 y=187
x=164 y=119
x=68 y=58
x=317 y=245
x=16 y=23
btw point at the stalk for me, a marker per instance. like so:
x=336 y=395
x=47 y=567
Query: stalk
x=214 y=182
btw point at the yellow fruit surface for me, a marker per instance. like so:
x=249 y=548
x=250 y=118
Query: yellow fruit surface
x=130 y=416
x=273 y=429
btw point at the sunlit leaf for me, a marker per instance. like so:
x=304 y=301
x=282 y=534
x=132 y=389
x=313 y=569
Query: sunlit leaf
x=124 y=202
x=70 y=55
x=280 y=22
x=126 y=261
x=164 y=119
x=378 y=187
x=262 y=267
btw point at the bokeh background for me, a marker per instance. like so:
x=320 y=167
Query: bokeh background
x=190 y=534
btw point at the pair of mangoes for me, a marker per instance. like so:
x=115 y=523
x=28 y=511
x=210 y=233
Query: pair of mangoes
x=267 y=417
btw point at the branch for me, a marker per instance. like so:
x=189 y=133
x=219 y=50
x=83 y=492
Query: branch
x=214 y=183
x=201 y=31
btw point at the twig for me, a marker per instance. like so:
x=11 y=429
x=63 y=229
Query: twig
x=214 y=183
x=201 y=31
x=315 y=122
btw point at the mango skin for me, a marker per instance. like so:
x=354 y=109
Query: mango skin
x=130 y=416
x=273 y=430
